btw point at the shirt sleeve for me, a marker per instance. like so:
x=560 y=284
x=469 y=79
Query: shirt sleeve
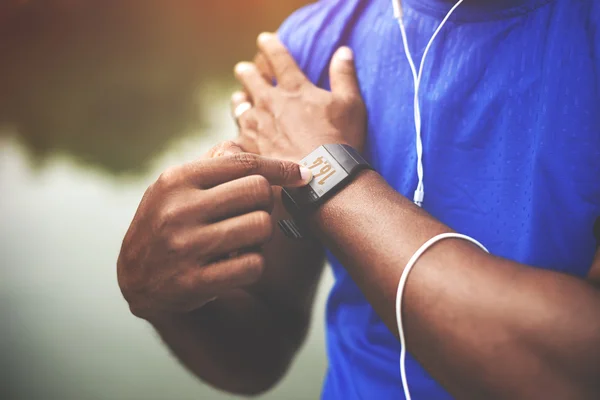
x=314 y=32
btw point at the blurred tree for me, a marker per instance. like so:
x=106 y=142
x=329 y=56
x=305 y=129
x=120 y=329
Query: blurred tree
x=111 y=82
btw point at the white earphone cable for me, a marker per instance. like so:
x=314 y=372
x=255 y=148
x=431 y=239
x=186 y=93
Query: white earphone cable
x=411 y=263
x=419 y=194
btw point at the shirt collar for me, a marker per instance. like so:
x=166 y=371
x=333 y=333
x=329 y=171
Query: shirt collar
x=476 y=10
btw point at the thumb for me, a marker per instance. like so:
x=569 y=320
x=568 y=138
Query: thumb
x=342 y=75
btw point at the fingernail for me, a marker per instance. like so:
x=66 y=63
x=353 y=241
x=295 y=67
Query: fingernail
x=243 y=67
x=306 y=174
x=345 y=54
x=264 y=37
x=238 y=97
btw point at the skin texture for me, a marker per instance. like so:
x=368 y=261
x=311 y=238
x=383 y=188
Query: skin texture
x=203 y=261
x=197 y=236
x=462 y=309
x=338 y=116
x=483 y=326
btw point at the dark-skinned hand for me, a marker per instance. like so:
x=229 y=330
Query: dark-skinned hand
x=198 y=230
x=290 y=116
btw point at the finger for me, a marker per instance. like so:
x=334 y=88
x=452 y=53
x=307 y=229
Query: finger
x=255 y=85
x=238 y=98
x=264 y=68
x=286 y=71
x=342 y=75
x=213 y=172
x=226 y=148
x=227 y=274
x=248 y=120
x=238 y=233
x=231 y=199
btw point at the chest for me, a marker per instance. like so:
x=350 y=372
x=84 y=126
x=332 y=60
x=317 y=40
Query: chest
x=511 y=130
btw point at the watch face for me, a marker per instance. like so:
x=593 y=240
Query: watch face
x=327 y=172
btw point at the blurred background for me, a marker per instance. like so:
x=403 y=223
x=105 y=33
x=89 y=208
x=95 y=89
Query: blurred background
x=96 y=99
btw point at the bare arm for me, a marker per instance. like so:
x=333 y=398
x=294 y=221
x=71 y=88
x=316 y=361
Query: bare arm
x=244 y=341
x=197 y=235
x=483 y=326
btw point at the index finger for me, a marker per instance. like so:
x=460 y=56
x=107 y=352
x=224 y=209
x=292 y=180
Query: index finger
x=283 y=65
x=216 y=171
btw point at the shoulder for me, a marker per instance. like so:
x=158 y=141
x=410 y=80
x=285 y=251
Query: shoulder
x=314 y=32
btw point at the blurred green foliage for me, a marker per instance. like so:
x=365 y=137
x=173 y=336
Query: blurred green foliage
x=111 y=82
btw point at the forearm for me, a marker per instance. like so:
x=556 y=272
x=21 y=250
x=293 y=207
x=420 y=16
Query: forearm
x=235 y=343
x=244 y=341
x=483 y=326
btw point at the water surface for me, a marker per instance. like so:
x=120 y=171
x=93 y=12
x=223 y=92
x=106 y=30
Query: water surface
x=96 y=99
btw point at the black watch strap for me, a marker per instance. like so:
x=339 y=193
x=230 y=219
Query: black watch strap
x=333 y=166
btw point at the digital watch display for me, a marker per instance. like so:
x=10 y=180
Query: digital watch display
x=333 y=166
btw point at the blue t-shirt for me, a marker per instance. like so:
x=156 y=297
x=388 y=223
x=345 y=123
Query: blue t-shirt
x=511 y=131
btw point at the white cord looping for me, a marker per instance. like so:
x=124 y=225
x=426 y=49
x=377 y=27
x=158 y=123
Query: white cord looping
x=419 y=194
x=411 y=263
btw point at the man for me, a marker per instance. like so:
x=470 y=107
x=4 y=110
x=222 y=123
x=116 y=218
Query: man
x=512 y=152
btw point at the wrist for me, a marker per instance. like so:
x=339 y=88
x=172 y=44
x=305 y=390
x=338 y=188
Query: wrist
x=334 y=166
x=362 y=183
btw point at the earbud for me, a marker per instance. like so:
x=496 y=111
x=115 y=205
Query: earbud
x=397 y=4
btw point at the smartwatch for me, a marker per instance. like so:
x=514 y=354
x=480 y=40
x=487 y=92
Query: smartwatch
x=333 y=167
